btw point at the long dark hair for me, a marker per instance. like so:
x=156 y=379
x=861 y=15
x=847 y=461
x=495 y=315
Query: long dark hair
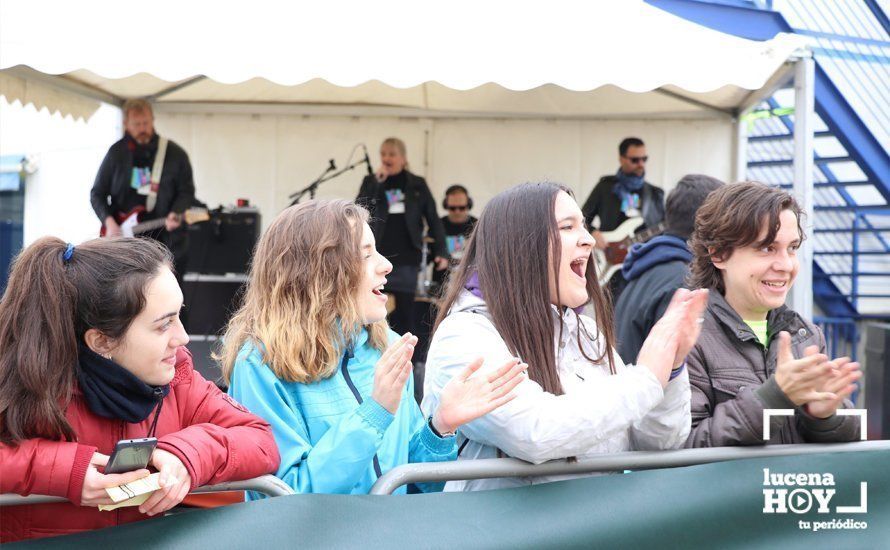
x=48 y=305
x=511 y=247
x=730 y=218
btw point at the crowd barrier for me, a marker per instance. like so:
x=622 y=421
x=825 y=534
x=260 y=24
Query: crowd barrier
x=634 y=460
x=268 y=485
x=716 y=505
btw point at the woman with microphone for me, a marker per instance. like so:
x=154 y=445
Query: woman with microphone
x=400 y=202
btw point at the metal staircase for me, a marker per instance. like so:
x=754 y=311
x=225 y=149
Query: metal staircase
x=851 y=230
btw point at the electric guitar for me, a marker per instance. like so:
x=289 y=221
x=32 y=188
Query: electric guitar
x=131 y=225
x=610 y=260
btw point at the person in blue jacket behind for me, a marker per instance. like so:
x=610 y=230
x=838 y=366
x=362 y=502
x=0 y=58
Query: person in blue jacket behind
x=310 y=352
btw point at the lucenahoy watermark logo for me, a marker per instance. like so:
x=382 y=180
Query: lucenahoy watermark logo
x=801 y=493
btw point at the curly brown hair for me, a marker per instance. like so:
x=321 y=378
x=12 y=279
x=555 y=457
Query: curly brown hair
x=730 y=218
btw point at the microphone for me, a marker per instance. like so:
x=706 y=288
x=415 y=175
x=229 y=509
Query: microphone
x=368 y=163
x=379 y=177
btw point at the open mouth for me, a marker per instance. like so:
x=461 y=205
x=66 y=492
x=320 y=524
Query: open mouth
x=578 y=265
x=378 y=291
x=775 y=286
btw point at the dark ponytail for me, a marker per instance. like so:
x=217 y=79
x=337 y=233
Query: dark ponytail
x=49 y=304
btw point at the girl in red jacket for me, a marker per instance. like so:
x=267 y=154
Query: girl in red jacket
x=92 y=353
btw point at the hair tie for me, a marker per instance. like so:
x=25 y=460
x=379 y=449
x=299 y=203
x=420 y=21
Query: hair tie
x=69 y=251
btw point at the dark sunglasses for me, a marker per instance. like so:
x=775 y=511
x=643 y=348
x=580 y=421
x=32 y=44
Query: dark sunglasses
x=457 y=208
x=638 y=160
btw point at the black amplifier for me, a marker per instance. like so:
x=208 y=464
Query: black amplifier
x=224 y=244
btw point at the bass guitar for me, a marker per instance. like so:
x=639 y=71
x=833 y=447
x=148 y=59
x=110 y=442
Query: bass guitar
x=610 y=260
x=132 y=225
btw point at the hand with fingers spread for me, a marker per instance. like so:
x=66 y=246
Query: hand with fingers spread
x=174 y=480
x=801 y=379
x=842 y=383
x=392 y=371
x=467 y=397
x=95 y=483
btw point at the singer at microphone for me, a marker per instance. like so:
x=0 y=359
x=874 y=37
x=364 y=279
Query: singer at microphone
x=399 y=203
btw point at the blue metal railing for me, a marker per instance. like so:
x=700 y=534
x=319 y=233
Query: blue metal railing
x=841 y=336
x=858 y=220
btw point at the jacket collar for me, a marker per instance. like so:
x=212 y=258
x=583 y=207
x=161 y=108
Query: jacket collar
x=779 y=319
x=358 y=340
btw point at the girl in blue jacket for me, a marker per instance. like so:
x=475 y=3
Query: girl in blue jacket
x=311 y=353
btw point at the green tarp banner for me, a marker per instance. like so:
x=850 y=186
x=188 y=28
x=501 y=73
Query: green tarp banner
x=717 y=505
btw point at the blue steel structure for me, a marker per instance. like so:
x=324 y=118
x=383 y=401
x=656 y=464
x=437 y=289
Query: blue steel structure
x=12 y=202
x=851 y=47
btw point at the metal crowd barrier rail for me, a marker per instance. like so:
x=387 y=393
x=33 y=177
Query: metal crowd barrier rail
x=634 y=460
x=268 y=485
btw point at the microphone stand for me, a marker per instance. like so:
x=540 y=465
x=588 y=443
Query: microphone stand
x=327 y=175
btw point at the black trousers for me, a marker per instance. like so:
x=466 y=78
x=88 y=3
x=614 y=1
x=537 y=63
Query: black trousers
x=401 y=283
x=402 y=318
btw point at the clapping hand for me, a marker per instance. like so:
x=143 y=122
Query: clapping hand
x=392 y=371
x=674 y=334
x=801 y=379
x=842 y=382
x=467 y=397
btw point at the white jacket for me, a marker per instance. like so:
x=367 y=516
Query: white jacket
x=598 y=413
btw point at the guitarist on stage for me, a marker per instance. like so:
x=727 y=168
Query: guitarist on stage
x=130 y=178
x=624 y=195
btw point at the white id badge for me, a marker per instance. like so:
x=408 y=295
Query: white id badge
x=144 y=189
x=396 y=200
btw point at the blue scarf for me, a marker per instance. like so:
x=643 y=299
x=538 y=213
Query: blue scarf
x=627 y=185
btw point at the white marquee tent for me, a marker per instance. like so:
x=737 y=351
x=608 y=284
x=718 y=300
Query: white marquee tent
x=261 y=94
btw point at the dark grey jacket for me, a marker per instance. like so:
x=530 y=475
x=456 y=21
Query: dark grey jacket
x=732 y=378
x=175 y=194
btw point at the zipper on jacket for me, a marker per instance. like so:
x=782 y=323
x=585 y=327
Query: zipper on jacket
x=345 y=370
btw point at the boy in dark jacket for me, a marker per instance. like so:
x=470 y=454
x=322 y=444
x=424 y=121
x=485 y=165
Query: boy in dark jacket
x=755 y=353
x=654 y=270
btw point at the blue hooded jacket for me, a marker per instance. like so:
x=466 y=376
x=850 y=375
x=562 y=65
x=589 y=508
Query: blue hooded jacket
x=332 y=436
x=654 y=271
x=662 y=249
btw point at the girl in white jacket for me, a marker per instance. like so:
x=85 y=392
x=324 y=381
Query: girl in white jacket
x=521 y=284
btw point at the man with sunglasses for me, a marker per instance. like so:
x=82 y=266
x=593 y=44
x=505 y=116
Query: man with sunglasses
x=458 y=224
x=625 y=195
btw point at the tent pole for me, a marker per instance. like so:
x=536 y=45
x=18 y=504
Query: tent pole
x=740 y=150
x=804 y=109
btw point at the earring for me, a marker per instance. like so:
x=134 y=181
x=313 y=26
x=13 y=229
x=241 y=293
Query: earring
x=108 y=356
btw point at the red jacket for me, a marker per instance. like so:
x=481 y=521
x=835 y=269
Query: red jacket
x=215 y=437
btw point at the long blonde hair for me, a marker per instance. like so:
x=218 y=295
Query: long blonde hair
x=299 y=308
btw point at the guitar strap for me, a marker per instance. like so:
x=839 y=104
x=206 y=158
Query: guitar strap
x=156 y=170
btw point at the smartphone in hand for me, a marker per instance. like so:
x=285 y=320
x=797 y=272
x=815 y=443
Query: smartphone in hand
x=131 y=454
